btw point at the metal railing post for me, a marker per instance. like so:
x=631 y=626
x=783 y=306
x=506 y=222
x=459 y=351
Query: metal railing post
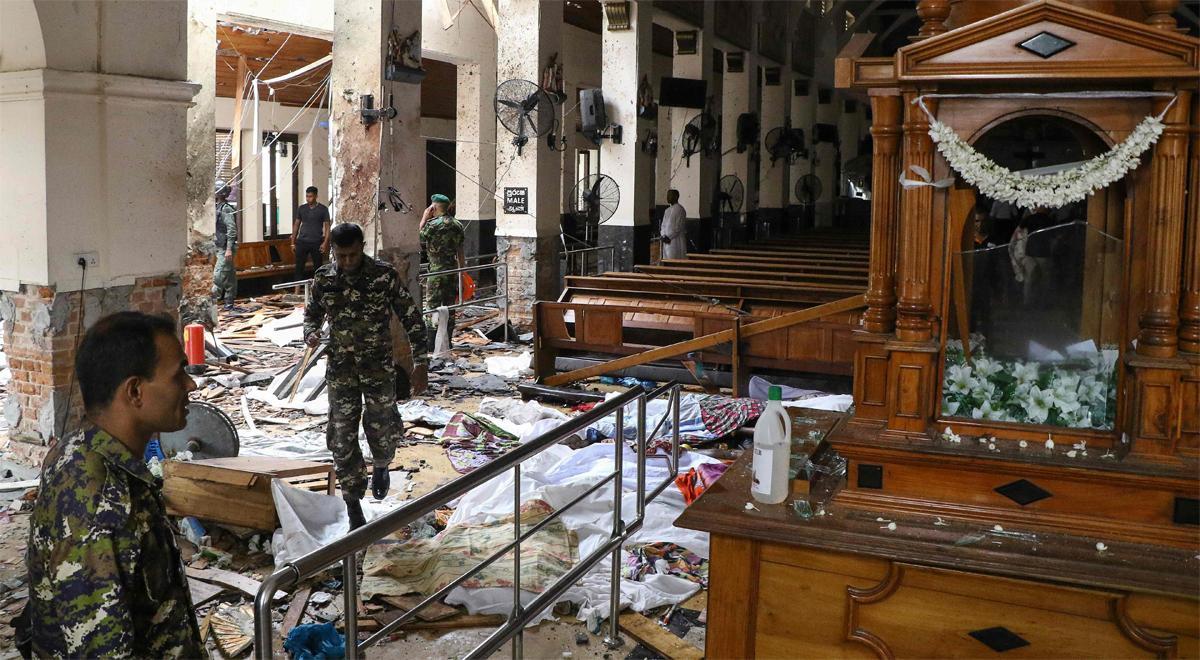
x=346 y=549
x=641 y=454
x=519 y=639
x=613 y=639
x=505 y=264
x=675 y=423
x=350 y=609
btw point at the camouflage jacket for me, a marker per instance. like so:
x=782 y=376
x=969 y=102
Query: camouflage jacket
x=358 y=306
x=105 y=578
x=442 y=237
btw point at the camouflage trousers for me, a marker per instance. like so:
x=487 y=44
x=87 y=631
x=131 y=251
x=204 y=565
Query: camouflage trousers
x=224 y=280
x=350 y=383
x=441 y=290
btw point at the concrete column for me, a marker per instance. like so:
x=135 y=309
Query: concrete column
x=826 y=154
x=196 y=274
x=475 y=129
x=529 y=33
x=627 y=56
x=697 y=179
x=369 y=158
x=772 y=178
x=803 y=113
x=739 y=95
x=93 y=129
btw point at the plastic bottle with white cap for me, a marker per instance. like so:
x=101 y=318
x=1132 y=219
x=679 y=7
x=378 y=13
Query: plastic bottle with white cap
x=772 y=451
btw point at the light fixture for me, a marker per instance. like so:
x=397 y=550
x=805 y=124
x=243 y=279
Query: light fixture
x=618 y=15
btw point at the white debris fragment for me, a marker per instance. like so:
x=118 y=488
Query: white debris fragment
x=891 y=527
x=940 y=523
x=1049 y=444
x=882 y=520
x=997 y=528
x=950 y=436
x=1071 y=454
x=750 y=506
x=1100 y=547
x=982 y=440
x=1022 y=444
x=992 y=446
x=1109 y=454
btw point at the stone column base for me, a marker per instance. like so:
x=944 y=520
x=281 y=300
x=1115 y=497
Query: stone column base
x=41 y=330
x=632 y=246
x=533 y=273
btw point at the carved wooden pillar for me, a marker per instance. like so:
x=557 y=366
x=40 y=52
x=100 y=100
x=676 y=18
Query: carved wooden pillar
x=1160 y=13
x=913 y=244
x=1189 y=308
x=933 y=15
x=1159 y=320
x=880 y=316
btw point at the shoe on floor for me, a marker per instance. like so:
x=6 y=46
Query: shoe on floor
x=381 y=481
x=354 y=509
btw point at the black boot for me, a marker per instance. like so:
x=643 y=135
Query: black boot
x=354 y=508
x=381 y=481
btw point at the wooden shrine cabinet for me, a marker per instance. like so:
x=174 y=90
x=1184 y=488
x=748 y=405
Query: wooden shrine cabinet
x=1063 y=521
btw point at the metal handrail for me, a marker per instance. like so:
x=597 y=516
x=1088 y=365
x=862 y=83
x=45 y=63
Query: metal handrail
x=499 y=266
x=346 y=548
x=571 y=257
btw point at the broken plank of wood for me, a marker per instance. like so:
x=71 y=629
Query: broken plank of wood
x=432 y=612
x=664 y=642
x=202 y=592
x=453 y=623
x=246 y=585
x=295 y=611
x=708 y=341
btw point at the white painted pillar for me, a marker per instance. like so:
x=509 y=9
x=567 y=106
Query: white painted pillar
x=627 y=55
x=695 y=180
x=366 y=158
x=529 y=33
x=196 y=274
x=773 y=176
x=475 y=153
x=739 y=96
x=827 y=155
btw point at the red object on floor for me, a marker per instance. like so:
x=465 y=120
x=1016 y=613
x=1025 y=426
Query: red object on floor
x=193 y=344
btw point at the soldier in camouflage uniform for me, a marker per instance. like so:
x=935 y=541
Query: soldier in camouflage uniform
x=442 y=235
x=225 y=240
x=358 y=294
x=105 y=579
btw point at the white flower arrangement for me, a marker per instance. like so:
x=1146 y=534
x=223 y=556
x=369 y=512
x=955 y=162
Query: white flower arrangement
x=1048 y=190
x=1074 y=394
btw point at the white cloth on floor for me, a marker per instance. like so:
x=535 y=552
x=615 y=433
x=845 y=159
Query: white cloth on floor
x=283 y=331
x=760 y=387
x=557 y=476
x=834 y=402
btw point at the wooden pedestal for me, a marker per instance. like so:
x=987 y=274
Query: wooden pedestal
x=849 y=584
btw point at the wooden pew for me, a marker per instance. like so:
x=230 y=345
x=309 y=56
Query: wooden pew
x=264 y=258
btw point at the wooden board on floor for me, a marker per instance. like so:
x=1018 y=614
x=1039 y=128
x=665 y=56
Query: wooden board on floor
x=649 y=633
x=202 y=592
x=246 y=585
x=432 y=612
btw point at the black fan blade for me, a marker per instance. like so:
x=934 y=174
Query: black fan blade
x=511 y=104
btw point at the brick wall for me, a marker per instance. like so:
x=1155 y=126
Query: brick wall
x=533 y=274
x=197 y=281
x=41 y=328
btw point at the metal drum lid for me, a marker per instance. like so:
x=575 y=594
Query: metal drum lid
x=209 y=434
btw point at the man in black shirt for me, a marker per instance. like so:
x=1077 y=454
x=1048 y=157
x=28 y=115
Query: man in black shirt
x=310 y=232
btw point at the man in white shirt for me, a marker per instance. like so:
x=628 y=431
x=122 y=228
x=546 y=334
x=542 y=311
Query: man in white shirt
x=674 y=228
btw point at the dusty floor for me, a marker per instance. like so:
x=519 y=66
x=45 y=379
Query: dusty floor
x=429 y=468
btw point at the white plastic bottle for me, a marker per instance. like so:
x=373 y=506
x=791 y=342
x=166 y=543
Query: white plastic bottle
x=772 y=451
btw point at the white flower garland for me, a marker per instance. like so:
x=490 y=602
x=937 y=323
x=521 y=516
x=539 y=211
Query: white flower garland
x=1047 y=190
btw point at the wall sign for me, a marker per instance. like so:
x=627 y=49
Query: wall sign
x=516 y=200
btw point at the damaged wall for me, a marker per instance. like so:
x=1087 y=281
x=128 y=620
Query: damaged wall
x=198 y=262
x=41 y=328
